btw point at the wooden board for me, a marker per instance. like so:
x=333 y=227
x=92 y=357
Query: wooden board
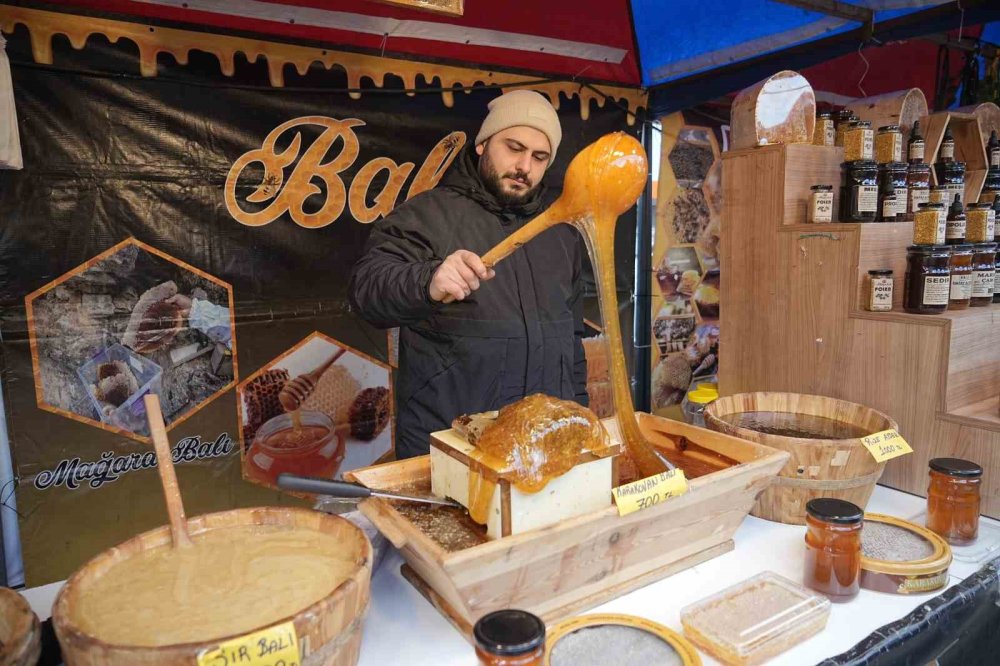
x=792 y=321
x=594 y=556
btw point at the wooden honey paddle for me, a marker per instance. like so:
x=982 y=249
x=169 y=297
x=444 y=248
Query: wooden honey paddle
x=165 y=465
x=295 y=391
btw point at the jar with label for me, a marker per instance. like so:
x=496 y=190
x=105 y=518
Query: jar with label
x=888 y=144
x=928 y=282
x=892 y=179
x=993 y=150
x=983 y=274
x=955 y=227
x=953 y=500
x=859 y=195
x=979 y=223
x=844 y=118
x=510 y=638
x=820 y=203
x=825 y=134
x=859 y=141
x=991 y=186
x=918 y=187
x=939 y=194
x=878 y=290
x=928 y=225
x=946 y=153
x=915 y=147
x=952 y=177
x=833 y=548
x=960 y=289
x=996 y=265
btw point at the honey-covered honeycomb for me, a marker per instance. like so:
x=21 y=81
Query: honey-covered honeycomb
x=335 y=391
x=261 y=399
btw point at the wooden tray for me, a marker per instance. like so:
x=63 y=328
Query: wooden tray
x=577 y=564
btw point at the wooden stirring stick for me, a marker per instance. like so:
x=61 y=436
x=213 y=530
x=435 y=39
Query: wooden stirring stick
x=165 y=464
x=295 y=391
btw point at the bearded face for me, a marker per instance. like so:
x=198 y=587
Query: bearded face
x=512 y=163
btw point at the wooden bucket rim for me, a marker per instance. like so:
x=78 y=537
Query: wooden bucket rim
x=23 y=628
x=711 y=417
x=64 y=625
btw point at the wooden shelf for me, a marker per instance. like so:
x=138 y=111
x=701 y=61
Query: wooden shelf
x=982 y=414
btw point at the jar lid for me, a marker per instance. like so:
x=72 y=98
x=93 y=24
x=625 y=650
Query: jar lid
x=931 y=204
x=986 y=247
x=823 y=114
x=889 y=128
x=956 y=467
x=962 y=247
x=832 y=510
x=919 y=166
x=954 y=166
x=978 y=206
x=862 y=124
x=703 y=396
x=938 y=188
x=880 y=271
x=509 y=632
x=861 y=164
x=822 y=188
x=894 y=166
x=845 y=113
x=930 y=249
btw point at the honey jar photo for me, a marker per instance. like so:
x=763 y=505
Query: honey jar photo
x=310 y=448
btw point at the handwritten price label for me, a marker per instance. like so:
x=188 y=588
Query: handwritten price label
x=886 y=445
x=650 y=491
x=274 y=646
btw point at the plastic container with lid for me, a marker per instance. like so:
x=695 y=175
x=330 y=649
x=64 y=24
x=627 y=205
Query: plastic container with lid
x=953 y=499
x=859 y=194
x=955 y=226
x=599 y=639
x=510 y=638
x=695 y=403
x=833 y=548
x=960 y=287
x=888 y=144
x=928 y=279
x=985 y=548
x=900 y=557
x=755 y=620
x=983 y=274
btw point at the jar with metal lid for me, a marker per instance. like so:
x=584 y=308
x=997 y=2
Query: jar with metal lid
x=983 y=274
x=979 y=223
x=825 y=133
x=929 y=225
x=820 y=204
x=878 y=290
x=889 y=144
x=833 y=548
x=955 y=227
x=915 y=148
x=946 y=153
x=918 y=187
x=859 y=194
x=927 y=284
x=953 y=499
x=859 y=141
x=991 y=186
x=951 y=175
x=993 y=150
x=960 y=292
x=510 y=638
x=892 y=179
x=939 y=194
x=844 y=118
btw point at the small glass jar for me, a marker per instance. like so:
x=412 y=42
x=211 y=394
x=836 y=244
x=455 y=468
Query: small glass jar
x=991 y=186
x=892 y=179
x=859 y=194
x=951 y=176
x=825 y=133
x=928 y=225
x=878 y=290
x=960 y=290
x=510 y=638
x=955 y=227
x=918 y=187
x=311 y=447
x=844 y=118
x=953 y=500
x=927 y=284
x=979 y=223
x=915 y=148
x=889 y=144
x=820 y=204
x=859 y=141
x=833 y=548
x=983 y=274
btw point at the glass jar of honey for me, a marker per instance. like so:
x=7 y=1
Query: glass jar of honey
x=983 y=274
x=859 y=193
x=309 y=447
x=833 y=548
x=951 y=176
x=918 y=186
x=926 y=287
x=510 y=638
x=953 y=499
x=960 y=292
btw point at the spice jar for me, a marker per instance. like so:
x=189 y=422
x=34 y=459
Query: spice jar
x=918 y=187
x=955 y=228
x=510 y=638
x=953 y=499
x=960 y=292
x=825 y=134
x=859 y=141
x=833 y=548
x=952 y=177
x=859 y=195
x=946 y=153
x=993 y=150
x=844 y=118
x=915 y=147
x=892 y=179
x=878 y=290
x=888 y=144
x=991 y=186
x=983 y=274
x=928 y=225
x=979 y=223
x=820 y=203
x=926 y=287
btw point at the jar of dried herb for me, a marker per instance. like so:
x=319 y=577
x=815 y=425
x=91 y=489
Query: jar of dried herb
x=888 y=144
x=825 y=133
x=928 y=225
x=859 y=141
x=979 y=223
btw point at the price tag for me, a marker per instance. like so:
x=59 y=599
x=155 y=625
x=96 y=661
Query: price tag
x=650 y=491
x=274 y=646
x=886 y=445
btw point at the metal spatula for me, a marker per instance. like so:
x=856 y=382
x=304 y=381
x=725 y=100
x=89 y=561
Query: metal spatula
x=345 y=490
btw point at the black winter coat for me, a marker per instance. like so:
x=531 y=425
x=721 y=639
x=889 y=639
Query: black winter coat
x=520 y=333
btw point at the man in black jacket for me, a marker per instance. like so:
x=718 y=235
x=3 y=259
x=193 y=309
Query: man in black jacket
x=473 y=339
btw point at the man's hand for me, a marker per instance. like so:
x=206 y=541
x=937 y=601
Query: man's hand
x=459 y=275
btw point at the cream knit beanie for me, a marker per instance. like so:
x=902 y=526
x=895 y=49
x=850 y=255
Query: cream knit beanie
x=522 y=108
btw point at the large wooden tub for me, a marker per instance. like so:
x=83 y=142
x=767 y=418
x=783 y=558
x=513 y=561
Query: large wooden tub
x=20 y=631
x=562 y=569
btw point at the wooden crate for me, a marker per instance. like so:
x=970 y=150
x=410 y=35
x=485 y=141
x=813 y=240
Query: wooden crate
x=579 y=563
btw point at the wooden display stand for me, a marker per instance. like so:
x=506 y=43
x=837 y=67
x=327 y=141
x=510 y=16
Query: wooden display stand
x=792 y=318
